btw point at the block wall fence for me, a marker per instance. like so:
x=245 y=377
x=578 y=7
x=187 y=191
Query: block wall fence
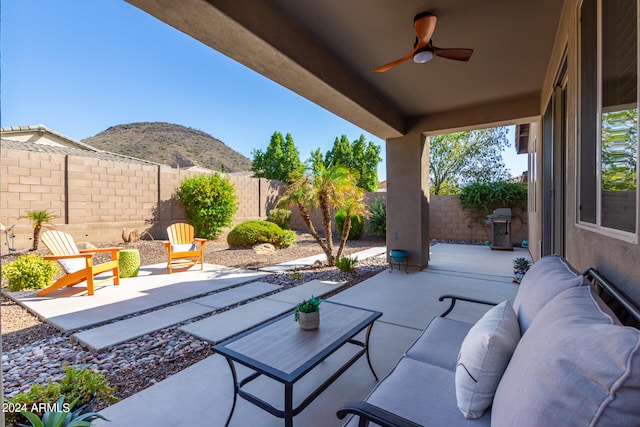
x=96 y=199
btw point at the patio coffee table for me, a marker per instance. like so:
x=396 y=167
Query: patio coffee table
x=284 y=352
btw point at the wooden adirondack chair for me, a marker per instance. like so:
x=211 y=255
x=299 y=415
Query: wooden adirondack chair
x=183 y=248
x=77 y=264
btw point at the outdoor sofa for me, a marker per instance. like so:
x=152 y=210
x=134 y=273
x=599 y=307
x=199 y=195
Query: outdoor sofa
x=557 y=356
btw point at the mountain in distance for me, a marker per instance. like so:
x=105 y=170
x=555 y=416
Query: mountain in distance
x=170 y=144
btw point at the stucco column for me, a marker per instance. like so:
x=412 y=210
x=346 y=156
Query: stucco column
x=408 y=197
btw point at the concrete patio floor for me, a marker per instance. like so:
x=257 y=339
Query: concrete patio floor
x=202 y=394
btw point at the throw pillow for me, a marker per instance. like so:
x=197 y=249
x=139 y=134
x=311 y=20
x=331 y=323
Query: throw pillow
x=484 y=356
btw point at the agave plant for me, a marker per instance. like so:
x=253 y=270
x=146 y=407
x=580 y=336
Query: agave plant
x=62 y=416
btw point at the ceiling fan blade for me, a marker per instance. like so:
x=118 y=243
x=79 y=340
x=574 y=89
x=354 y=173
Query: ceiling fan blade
x=455 y=54
x=390 y=65
x=425 y=25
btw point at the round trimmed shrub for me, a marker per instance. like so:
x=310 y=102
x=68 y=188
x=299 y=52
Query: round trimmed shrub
x=357 y=225
x=29 y=272
x=250 y=232
x=210 y=202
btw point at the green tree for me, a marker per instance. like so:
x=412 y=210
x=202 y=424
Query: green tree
x=360 y=156
x=210 y=202
x=279 y=160
x=40 y=218
x=325 y=188
x=461 y=158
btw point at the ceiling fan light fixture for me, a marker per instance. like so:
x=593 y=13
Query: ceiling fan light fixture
x=422 y=56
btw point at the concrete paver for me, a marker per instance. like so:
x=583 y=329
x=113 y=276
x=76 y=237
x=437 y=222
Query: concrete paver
x=125 y=330
x=71 y=308
x=223 y=325
x=232 y=322
x=236 y=295
x=305 y=291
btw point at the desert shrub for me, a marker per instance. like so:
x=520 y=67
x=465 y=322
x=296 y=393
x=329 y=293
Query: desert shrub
x=80 y=384
x=83 y=383
x=250 y=232
x=280 y=217
x=29 y=272
x=357 y=225
x=378 y=217
x=210 y=202
x=346 y=264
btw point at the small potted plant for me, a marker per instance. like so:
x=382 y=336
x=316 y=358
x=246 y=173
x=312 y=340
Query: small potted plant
x=307 y=313
x=520 y=267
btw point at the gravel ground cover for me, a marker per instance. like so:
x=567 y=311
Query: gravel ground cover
x=34 y=352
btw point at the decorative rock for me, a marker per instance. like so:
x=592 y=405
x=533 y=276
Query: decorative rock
x=264 y=248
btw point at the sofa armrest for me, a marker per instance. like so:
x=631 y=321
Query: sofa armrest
x=370 y=413
x=455 y=298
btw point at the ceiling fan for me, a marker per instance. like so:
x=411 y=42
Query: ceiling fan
x=423 y=50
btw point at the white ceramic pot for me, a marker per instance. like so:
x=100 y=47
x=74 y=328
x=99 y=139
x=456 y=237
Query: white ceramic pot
x=309 y=321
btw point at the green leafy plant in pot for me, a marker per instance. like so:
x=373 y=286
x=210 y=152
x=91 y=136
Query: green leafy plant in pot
x=307 y=313
x=520 y=267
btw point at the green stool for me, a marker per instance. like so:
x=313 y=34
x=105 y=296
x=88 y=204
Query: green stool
x=129 y=262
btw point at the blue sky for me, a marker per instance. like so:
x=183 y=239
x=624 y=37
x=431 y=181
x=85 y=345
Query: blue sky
x=82 y=66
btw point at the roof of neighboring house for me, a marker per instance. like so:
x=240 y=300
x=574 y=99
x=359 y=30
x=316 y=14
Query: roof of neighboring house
x=6 y=132
x=7 y=143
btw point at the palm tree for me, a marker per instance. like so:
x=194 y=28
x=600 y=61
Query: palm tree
x=352 y=207
x=325 y=188
x=39 y=218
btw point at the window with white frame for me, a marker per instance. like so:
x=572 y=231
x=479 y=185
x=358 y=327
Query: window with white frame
x=608 y=117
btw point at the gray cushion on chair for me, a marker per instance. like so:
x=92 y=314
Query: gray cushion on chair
x=575 y=366
x=422 y=393
x=545 y=279
x=440 y=342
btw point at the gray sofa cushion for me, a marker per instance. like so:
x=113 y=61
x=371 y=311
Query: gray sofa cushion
x=439 y=344
x=422 y=393
x=484 y=355
x=545 y=279
x=574 y=367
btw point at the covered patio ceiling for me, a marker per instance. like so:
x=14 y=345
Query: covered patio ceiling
x=324 y=51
